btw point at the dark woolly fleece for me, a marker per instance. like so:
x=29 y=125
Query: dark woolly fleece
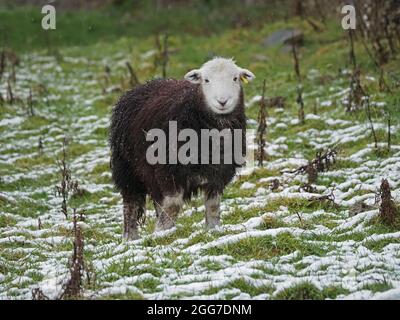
x=153 y=105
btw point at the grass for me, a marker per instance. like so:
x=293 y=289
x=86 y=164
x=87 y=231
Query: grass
x=123 y=296
x=265 y=248
x=308 y=291
x=140 y=20
x=252 y=290
x=378 y=287
x=304 y=291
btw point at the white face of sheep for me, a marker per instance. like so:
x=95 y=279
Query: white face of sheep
x=221 y=80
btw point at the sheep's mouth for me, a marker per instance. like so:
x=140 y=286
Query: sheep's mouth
x=223 y=110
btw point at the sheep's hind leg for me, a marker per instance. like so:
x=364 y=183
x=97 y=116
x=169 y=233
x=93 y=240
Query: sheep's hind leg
x=134 y=209
x=212 y=203
x=167 y=211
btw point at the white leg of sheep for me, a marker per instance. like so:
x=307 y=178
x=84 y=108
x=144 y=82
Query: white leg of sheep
x=168 y=211
x=212 y=204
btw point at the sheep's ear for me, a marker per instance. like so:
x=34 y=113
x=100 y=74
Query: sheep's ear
x=246 y=75
x=193 y=76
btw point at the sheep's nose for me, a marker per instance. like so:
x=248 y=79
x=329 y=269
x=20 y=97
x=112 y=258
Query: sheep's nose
x=222 y=102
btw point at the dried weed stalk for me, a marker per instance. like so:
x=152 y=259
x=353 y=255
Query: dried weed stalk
x=388 y=212
x=73 y=287
x=262 y=128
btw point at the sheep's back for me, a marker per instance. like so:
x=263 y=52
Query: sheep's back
x=142 y=109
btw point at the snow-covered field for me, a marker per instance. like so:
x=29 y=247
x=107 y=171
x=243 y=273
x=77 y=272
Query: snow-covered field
x=272 y=244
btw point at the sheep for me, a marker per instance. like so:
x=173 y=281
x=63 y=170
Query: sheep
x=207 y=98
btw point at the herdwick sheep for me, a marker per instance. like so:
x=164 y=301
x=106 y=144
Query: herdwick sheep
x=208 y=98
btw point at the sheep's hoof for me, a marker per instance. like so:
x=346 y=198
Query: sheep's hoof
x=164 y=226
x=212 y=224
x=129 y=236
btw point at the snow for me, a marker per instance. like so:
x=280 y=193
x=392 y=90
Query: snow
x=247 y=186
x=326 y=103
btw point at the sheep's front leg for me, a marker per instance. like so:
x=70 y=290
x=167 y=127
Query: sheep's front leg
x=133 y=209
x=167 y=211
x=212 y=203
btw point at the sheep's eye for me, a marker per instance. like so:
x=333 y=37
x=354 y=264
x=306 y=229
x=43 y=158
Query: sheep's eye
x=235 y=79
x=207 y=81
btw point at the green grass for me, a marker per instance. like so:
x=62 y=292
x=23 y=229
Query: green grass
x=252 y=290
x=307 y=291
x=123 y=296
x=265 y=248
x=7 y=221
x=138 y=20
x=378 y=287
x=304 y=291
x=28 y=208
